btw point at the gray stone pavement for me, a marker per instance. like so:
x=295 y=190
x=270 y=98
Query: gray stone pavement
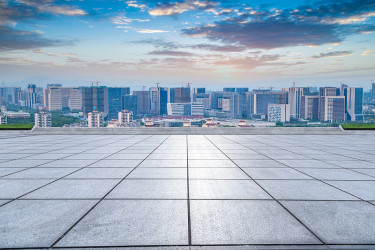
x=187 y=191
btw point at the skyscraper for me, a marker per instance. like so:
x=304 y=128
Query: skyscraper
x=143 y=102
x=309 y=107
x=130 y=102
x=95 y=99
x=229 y=89
x=294 y=100
x=326 y=105
x=31 y=96
x=242 y=95
x=159 y=100
x=115 y=100
x=373 y=91
x=182 y=95
x=354 y=104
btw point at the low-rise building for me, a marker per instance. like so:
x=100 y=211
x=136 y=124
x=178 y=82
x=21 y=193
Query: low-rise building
x=278 y=112
x=125 y=116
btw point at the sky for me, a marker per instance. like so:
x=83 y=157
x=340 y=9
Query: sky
x=253 y=43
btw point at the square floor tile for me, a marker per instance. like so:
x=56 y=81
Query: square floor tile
x=226 y=189
x=247 y=157
x=275 y=173
x=163 y=164
x=259 y=164
x=26 y=223
x=245 y=222
x=159 y=173
x=362 y=189
x=217 y=173
x=337 y=222
x=353 y=164
x=67 y=164
x=141 y=222
x=335 y=174
x=41 y=173
x=307 y=164
x=182 y=156
x=207 y=156
x=115 y=164
x=11 y=189
x=74 y=189
x=22 y=163
x=303 y=190
x=100 y=173
x=7 y=171
x=150 y=189
x=211 y=164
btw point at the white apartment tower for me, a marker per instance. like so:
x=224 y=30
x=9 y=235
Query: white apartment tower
x=125 y=116
x=43 y=119
x=3 y=118
x=95 y=119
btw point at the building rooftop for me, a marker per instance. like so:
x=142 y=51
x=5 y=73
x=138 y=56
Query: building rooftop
x=187 y=191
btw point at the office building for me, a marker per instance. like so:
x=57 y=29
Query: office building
x=179 y=109
x=203 y=99
x=59 y=98
x=257 y=102
x=95 y=119
x=159 y=100
x=143 y=102
x=309 y=108
x=294 y=99
x=130 y=102
x=354 y=104
x=125 y=116
x=95 y=99
x=115 y=101
x=181 y=95
x=324 y=113
x=43 y=119
x=282 y=97
x=278 y=113
x=229 y=89
x=197 y=109
x=332 y=108
x=31 y=96
x=242 y=99
x=373 y=91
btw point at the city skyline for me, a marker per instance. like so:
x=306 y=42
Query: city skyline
x=209 y=43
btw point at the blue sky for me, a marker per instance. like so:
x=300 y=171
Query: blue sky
x=208 y=43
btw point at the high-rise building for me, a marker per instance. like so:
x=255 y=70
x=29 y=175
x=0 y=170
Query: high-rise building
x=59 y=98
x=95 y=119
x=115 y=101
x=197 y=109
x=181 y=95
x=354 y=104
x=130 y=102
x=373 y=91
x=159 y=100
x=282 y=97
x=95 y=99
x=324 y=103
x=199 y=90
x=257 y=102
x=125 y=116
x=309 y=107
x=43 y=119
x=203 y=99
x=242 y=95
x=31 y=96
x=343 y=87
x=278 y=112
x=294 y=100
x=143 y=102
x=2 y=96
x=229 y=89
x=228 y=102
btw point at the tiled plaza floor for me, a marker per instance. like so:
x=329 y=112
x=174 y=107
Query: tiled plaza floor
x=188 y=191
